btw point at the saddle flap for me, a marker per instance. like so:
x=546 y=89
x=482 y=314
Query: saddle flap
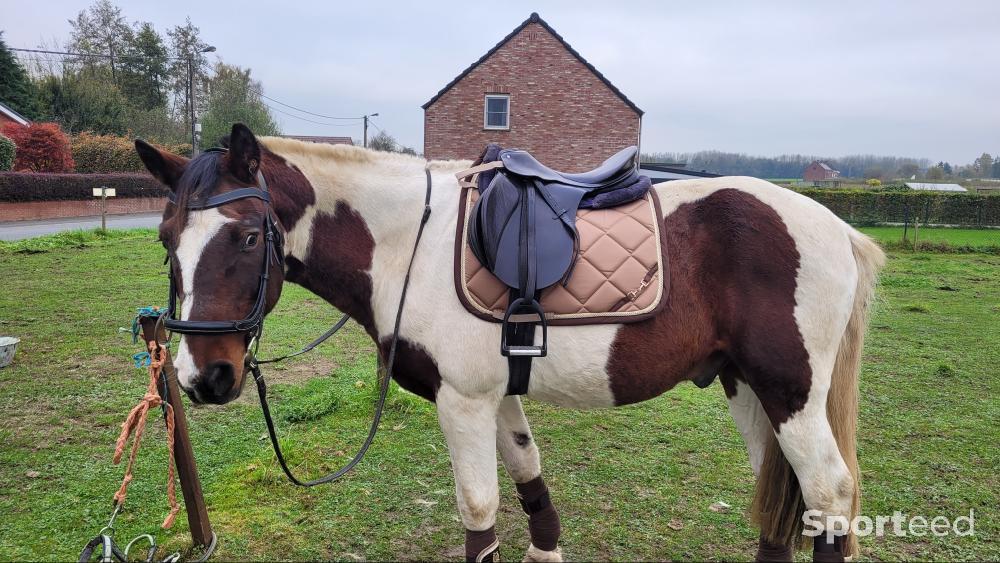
x=555 y=242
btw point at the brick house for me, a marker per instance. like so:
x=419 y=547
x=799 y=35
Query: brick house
x=819 y=172
x=532 y=91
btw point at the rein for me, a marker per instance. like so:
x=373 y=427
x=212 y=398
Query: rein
x=253 y=325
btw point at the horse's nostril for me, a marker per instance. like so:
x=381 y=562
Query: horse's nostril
x=220 y=378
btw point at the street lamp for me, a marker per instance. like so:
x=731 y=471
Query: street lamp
x=365 y=117
x=190 y=96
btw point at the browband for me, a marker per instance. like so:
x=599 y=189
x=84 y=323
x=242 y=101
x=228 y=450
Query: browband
x=260 y=192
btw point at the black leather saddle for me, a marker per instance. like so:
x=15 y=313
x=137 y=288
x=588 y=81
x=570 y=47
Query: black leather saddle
x=523 y=229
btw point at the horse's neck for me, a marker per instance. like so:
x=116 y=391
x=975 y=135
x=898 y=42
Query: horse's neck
x=356 y=239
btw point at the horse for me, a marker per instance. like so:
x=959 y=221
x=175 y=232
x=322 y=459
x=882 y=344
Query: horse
x=769 y=291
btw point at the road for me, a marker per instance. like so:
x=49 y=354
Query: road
x=17 y=230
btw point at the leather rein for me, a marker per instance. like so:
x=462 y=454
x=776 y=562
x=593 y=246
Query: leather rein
x=253 y=324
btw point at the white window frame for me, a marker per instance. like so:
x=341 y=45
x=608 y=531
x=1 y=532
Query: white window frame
x=486 y=107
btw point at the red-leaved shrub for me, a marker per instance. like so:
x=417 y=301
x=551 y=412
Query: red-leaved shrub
x=41 y=147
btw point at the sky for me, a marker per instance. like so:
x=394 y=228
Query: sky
x=914 y=78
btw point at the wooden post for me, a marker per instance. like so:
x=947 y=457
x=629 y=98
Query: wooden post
x=187 y=471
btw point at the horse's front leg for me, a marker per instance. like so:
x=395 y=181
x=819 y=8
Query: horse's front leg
x=520 y=458
x=469 y=424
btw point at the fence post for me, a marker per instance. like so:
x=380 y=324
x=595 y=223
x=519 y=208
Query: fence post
x=187 y=471
x=906 y=220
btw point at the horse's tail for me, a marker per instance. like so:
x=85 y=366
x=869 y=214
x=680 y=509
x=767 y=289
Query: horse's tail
x=777 y=506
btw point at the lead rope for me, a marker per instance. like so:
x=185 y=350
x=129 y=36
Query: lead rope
x=254 y=367
x=136 y=422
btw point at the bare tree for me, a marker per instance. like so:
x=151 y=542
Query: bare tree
x=384 y=142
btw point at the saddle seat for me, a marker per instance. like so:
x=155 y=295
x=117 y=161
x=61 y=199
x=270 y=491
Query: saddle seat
x=612 y=171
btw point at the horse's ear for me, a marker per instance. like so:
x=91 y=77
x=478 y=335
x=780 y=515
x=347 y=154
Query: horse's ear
x=244 y=153
x=164 y=166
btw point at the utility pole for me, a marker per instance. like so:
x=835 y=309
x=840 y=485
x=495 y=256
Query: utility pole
x=190 y=97
x=365 y=117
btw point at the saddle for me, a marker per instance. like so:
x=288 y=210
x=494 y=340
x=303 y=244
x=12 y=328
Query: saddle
x=523 y=230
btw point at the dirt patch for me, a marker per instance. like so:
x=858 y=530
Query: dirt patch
x=292 y=373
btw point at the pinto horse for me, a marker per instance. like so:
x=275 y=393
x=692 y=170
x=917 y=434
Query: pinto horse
x=769 y=291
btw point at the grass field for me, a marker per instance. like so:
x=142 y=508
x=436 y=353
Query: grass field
x=633 y=483
x=967 y=240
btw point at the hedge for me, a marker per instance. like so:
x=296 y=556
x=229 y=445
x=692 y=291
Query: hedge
x=7 y=151
x=16 y=186
x=939 y=208
x=94 y=154
x=41 y=147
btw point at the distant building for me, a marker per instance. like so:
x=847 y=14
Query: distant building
x=327 y=140
x=8 y=115
x=820 y=173
x=925 y=186
x=532 y=91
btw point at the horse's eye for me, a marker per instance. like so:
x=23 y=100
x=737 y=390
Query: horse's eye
x=251 y=241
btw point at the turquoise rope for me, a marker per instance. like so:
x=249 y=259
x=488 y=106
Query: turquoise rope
x=142 y=359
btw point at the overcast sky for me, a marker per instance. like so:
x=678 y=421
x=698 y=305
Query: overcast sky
x=917 y=79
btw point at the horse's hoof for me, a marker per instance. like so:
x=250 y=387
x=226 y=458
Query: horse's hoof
x=536 y=555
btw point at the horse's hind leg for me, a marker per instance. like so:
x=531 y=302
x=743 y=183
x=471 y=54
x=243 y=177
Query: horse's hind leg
x=795 y=400
x=520 y=458
x=469 y=424
x=754 y=426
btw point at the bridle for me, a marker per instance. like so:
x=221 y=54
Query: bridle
x=253 y=324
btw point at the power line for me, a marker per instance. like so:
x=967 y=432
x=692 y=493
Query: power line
x=39 y=52
x=122 y=57
x=272 y=108
x=262 y=95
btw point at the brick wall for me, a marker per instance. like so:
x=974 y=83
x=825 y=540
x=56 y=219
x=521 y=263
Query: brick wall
x=31 y=210
x=559 y=110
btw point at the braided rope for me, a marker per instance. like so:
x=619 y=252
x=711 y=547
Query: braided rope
x=136 y=423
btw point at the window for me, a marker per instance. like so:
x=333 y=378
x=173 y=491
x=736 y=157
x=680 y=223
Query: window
x=497 y=112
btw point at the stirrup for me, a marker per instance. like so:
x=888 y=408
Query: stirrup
x=524 y=351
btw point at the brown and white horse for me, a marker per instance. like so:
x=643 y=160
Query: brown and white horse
x=768 y=289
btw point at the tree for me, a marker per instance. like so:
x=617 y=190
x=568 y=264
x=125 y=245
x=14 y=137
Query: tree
x=143 y=75
x=984 y=165
x=874 y=172
x=82 y=102
x=384 y=142
x=233 y=96
x=947 y=168
x=996 y=168
x=185 y=45
x=908 y=169
x=101 y=30
x=935 y=172
x=16 y=89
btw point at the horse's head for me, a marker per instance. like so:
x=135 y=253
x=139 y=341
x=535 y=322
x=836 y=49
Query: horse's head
x=218 y=253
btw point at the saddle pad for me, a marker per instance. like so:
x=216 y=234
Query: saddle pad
x=621 y=275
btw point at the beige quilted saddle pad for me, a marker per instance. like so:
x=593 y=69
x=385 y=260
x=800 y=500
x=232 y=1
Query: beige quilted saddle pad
x=621 y=275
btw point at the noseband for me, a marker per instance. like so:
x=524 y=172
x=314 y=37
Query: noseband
x=253 y=323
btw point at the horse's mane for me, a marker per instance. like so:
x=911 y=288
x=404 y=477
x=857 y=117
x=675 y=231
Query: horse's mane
x=349 y=154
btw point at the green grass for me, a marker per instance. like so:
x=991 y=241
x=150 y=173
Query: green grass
x=928 y=432
x=939 y=239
